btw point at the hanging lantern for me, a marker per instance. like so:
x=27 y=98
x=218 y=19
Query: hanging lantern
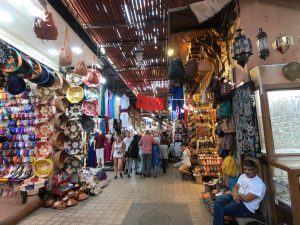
x=282 y=43
x=262 y=44
x=242 y=48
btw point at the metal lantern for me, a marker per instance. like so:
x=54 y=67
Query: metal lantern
x=262 y=44
x=242 y=48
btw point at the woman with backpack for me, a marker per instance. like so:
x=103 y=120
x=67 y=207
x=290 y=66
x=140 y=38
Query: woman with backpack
x=133 y=154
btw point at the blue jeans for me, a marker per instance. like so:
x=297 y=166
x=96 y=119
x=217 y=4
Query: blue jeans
x=147 y=158
x=155 y=171
x=226 y=206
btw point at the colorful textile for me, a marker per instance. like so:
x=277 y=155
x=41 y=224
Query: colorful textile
x=112 y=106
x=103 y=102
x=149 y=103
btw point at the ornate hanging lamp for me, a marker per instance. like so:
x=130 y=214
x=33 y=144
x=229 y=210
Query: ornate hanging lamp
x=282 y=43
x=242 y=48
x=262 y=44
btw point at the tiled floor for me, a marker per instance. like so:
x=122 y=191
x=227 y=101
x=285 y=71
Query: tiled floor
x=112 y=205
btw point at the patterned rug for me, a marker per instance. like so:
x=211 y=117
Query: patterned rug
x=158 y=214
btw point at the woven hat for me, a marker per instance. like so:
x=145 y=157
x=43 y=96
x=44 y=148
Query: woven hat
x=75 y=94
x=73 y=129
x=58 y=82
x=73 y=147
x=60 y=121
x=88 y=124
x=43 y=130
x=59 y=159
x=26 y=69
x=91 y=93
x=37 y=70
x=15 y=85
x=44 y=79
x=74 y=79
x=13 y=63
x=44 y=110
x=44 y=93
x=42 y=167
x=292 y=71
x=64 y=88
x=89 y=108
x=74 y=111
x=61 y=103
x=58 y=138
x=42 y=149
x=93 y=78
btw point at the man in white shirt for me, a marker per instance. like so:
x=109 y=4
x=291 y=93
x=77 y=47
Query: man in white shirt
x=127 y=140
x=245 y=197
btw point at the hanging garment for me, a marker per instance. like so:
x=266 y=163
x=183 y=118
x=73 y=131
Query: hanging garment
x=103 y=102
x=111 y=126
x=117 y=107
x=106 y=94
x=102 y=126
x=247 y=135
x=124 y=118
x=124 y=102
x=177 y=148
x=91 y=160
x=106 y=125
x=177 y=97
x=112 y=106
x=107 y=148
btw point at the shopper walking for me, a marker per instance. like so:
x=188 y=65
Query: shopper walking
x=127 y=140
x=147 y=142
x=156 y=154
x=117 y=153
x=133 y=154
x=164 y=150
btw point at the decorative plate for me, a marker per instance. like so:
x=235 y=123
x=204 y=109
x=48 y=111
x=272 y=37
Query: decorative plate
x=73 y=129
x=42 y=167
x=74 y=111
x=42 y=149
x=92 y=93
x=75 y=94
x=44 y=110
x=73 y=147
x=89 y=108
x=44 y=93
x=74 y=79
x=93 y=78
x=43 y=130
x=73 y=164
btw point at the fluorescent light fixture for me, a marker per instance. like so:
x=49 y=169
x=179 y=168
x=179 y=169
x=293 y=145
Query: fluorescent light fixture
x=33 y=10
x=77 y=50
x=53 y=51
x=102 y=50
x=5 y=16
x=103 y=80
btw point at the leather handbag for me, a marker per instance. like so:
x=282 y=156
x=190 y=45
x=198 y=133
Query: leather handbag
x=81 y=68
x=176 y=69
x=65 y=55
x=228 y=126
x=227 y=142
x=224 y=110
x=44 y=27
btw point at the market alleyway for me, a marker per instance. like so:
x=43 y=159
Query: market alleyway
x=113 y=204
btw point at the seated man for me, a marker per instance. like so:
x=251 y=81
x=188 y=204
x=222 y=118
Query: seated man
x=245 y=197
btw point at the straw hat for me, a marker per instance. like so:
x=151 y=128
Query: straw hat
x=75 y=94
x=61 y=103
x=60 y=121
x=64 y=88
x=42 y=167
x=58 y=138
x=59 y=159
x=58 y=82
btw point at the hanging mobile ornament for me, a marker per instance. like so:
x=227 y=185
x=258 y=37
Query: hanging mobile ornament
x=282 y=43
x=262 y=44
x=242 y=48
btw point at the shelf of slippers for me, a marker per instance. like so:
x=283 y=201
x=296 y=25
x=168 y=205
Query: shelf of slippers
x=18 y=140
x=209 y=164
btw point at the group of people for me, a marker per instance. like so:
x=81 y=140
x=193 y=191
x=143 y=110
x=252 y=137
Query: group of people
x=140 y=153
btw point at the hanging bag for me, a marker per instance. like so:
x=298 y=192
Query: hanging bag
x=44 y=27
x=81 y=68
x=230 y=166
x=228 y=126
x=65 y=55
x=224 y=110
x=176 y=69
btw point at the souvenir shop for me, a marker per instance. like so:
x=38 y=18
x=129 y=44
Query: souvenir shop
x=239 y=102
x=57 y=127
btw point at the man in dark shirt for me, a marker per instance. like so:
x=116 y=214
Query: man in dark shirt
x=99 y=147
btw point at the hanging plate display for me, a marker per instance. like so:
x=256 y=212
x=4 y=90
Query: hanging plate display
x=73 y=147
x=42 y=167
x=89 y=108
x=74 y=111
x=75 y=94
x=93 y=78
x=74 y=79
x=43 y=130
x=42 y=149
x=73 y=129
x=44 y=93
x=44 y=110
x=92 y=93
x=73 y=164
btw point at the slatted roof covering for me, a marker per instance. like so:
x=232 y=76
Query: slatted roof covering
x=118 y=26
